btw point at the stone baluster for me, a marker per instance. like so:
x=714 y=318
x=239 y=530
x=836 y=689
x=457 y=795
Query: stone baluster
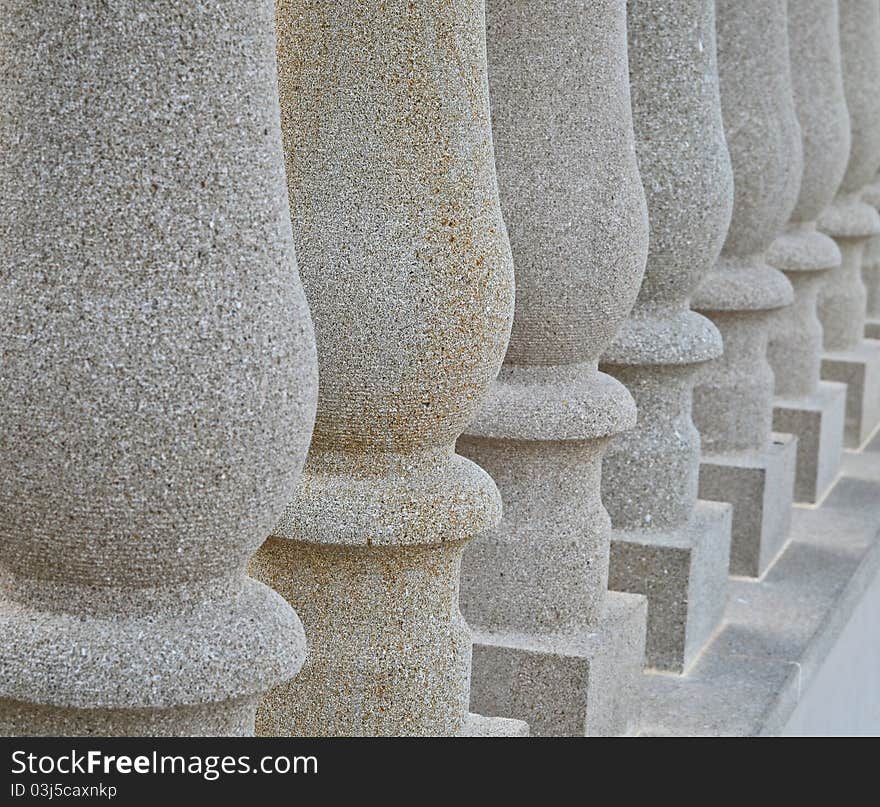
x=848 y=356
x=733 y=396
x=551 y=645
x=667 y=544
x=871 y=267
x=158 y=373
x=407 y=268
x=811 y=410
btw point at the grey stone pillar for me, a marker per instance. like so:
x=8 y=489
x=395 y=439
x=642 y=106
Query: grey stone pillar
x=871 y=267
x=811 y=410
x=733 y=397
x=407 y=268
x=848 y=356
x=551 y=645
x=666 y=544
x=158 y=378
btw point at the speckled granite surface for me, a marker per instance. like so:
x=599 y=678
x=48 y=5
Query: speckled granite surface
x=158 y=373
x=650 y=473
x=406 y=265
x=535 y=586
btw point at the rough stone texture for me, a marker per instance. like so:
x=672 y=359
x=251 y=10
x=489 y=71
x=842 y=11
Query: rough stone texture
x=650 y=473
x=733 y=396
x=795 y=345
x=818 y=420
x=158 y=378
x=232 y=718
x=760 y=486
x=683 y=573
x=407 y=269
x=573 y=686
x=481 y=726
x=871 y=267
x=859 y=369
x=842 y=300
x=806 y=255
x=852 y=222
x=575 y=210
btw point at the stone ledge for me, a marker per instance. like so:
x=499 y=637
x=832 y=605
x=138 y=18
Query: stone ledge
x=778 y=630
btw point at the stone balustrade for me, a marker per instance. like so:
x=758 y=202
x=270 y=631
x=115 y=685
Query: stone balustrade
x=478 y=368
x=849 y=357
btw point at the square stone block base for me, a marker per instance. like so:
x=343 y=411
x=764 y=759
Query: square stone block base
x=859 y=369
x=683 y=573
x=586 y=685
x=872 y=328
x=480 y=726
x=760 y=486
x=818 y=423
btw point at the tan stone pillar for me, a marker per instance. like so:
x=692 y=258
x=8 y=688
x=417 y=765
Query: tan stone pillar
x=407 y=269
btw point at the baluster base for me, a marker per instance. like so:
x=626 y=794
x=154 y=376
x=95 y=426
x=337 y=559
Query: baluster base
x=481 y=726
x=230 y=718
x=760 y=486
x=586 y=684
x=683 y=573
x=817 y=421
x=859 y=369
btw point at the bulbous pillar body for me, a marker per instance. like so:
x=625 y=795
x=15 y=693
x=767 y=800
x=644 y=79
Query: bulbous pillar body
x=575 y=210
x=804 y=253
x=158 y=378
x=848 y=357
x=733 y=396
x=650 y=473
x=871 y=196
x=407 y=268
x=843 y=300
x=806 y=408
